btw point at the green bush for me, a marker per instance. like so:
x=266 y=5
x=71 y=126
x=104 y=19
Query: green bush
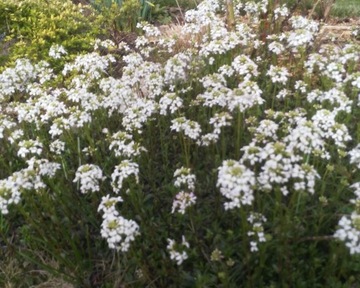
x=31 y=27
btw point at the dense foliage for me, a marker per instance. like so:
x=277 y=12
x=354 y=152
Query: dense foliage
x=225 y=155
x=31 y=27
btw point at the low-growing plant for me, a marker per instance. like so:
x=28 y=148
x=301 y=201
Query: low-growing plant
x=231 y=161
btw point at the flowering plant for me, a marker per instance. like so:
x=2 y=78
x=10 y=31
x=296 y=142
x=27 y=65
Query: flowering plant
x=224 y=161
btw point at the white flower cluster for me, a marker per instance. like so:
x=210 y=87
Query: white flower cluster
x=282 y=11
x=107 y=44
x=92 y=65
x=349 y=227
x=123 y=145
x=182 y=201
x=184 y=177
x=337 y=98
x=349 y=232
x=135 y=117
x=42 y=167
x=89 y=176
x=10 y=192
x=280 y=165
x=29 y=147
x=266 y=131
x=276 y=47
x=355 y=156
x=118 y=231
x=244 y=66
x=29 y=178
x=122 y=172
x=278 y=74
x=218 y=121
x=190 y=128
x=16 y=79
x=245 y=96
x=236 y=183
x=178 y=252
x=57 y=147
x=257 y=231
x=57 y=51
x=170 y=101
x=303 y=33
x=176 y=68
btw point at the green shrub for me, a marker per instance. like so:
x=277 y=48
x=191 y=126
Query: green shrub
x=31 y=27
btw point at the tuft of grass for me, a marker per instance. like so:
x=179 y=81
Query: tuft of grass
x=346 y=8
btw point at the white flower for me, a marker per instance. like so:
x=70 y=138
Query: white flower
x=15 y=135
x=107 y=43
x=170 y=101
x=57 y=147
x=355 y=156
x=122 y=172
x=182 y=201
x=92 y=65
x=107 y=205
x=266 y=129
x=89 y=176
x=282 y=94
x=150 y=30
x=356 y=80
x=245 y=96
x=306 y=137
x=282 y=11
x=43 y=167
x=244 y=66
x=184 y=177
x=57 y=51
x=276 y=47
x=118 y=231
x=190 y=128
x=251 y=154
x=176 y=68
x=29 y=147
x=26 y=179
x=138 y=113
x=9 y=194
x=175 y=255
x=220 y=120
x=349 y=232
x=301 y=86
x=236 y=183
x=123 y=145
x=208 y=139
x=278 y=74
x=15 y=79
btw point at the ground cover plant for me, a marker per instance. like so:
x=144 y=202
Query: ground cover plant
x=225 y=155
